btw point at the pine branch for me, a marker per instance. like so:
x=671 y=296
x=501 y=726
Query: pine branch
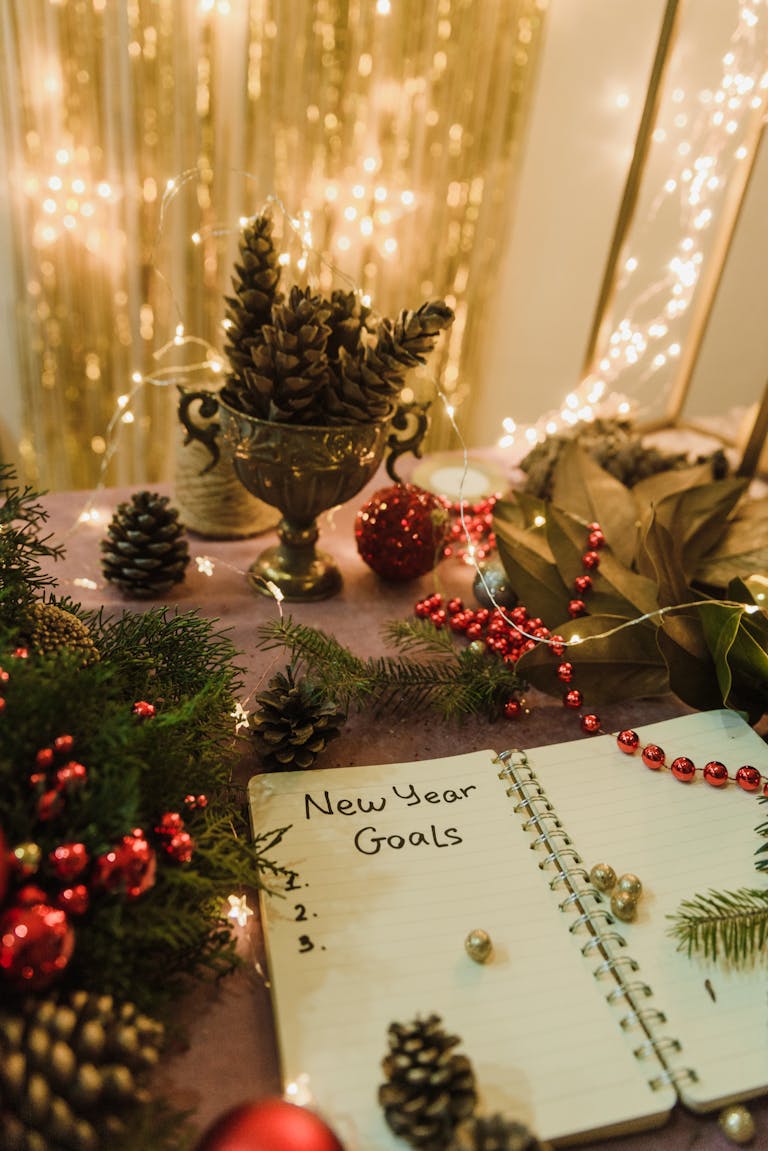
x=22 y=546
x=732 y=925
x=455 y=683
x=418 y=635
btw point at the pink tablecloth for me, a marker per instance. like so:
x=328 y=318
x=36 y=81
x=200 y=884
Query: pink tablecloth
x=231 y=1055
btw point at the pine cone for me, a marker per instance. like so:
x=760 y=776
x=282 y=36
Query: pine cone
x=255 y=284
x=368 y=382
x=494 y=1133
x=347 y=322
x=429 y=1090
x=289 y=371
x=293 y=723
x=146 y=552
x=47 y=628
x=68 y=1068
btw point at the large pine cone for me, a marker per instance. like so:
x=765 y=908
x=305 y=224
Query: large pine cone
x=369 y=380
x=47 y=628
x=289 y=371
x=293 y=723
x=492 y=1133
x=255 y=283
x=146 y=552
x=68 y=1067
x=429 y=1089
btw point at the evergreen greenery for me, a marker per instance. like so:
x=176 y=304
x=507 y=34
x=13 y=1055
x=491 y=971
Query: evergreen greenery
x=728 y=925
x=453 y=681
x=22 y=547
x=144 y=950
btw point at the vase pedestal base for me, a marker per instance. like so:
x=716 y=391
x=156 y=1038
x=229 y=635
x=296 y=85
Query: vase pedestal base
x=315 y=579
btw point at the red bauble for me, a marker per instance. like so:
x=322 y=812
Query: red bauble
x=270 y=1125
x=129 y=867
x=400 y=532
x=68 y=860
x=36 y=943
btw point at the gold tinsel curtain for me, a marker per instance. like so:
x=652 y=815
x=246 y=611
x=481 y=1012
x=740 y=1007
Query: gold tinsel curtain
x=138 y=133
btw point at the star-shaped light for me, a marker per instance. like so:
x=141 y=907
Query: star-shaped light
x=204 y=565
x=240 y=716
x=239 y=909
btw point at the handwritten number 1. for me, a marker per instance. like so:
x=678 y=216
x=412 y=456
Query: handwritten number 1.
x=305 y=943
x=301 y=912
x=292 y=884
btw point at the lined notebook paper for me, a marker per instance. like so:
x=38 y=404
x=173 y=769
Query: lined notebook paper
x=578 y=1024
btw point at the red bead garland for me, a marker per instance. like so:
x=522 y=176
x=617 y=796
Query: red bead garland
x=715 y=773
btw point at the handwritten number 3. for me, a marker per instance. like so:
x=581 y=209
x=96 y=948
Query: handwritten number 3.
x=305 y=943
x=301 y=912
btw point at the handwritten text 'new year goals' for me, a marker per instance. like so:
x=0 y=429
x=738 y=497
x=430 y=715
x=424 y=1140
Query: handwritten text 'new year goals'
x=368 y=840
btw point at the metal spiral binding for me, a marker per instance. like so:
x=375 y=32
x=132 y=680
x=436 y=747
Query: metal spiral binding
x=646 y=1015
x=673 y=1078
x=655 y=1047
x=608 y=966
x=591 y=915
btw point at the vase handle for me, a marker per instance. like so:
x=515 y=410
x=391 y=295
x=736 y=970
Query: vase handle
x=409 y=418
x=209 y=405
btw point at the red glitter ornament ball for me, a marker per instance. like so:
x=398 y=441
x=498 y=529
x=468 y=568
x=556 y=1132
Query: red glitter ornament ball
x=36 y=943
x=270 y=1125
x=400 y=532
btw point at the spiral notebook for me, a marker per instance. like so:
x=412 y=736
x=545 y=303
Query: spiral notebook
x=578 y=1025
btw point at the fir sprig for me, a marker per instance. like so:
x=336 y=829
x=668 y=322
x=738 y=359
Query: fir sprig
x=452 y=681
x=728 y=925
x=22 y=547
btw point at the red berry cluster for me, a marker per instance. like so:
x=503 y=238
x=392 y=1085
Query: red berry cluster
x=174 y=837
x=477 y=525
x=52 y=783
x=714 y=773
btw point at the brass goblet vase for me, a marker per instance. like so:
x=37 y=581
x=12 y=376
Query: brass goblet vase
x=303 y=471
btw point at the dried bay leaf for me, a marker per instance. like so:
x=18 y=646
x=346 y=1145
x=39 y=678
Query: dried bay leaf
x=590 y=493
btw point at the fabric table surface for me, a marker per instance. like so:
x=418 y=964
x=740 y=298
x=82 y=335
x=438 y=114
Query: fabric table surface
x=230 y=1053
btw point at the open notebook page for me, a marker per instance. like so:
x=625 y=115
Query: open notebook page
x=682 y=840
x=374 y=933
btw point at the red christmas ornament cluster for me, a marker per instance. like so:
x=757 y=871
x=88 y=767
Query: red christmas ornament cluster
x=401 y=531
x=51 y=782
x=36 y=935
x=174 y=837
x=471 y=527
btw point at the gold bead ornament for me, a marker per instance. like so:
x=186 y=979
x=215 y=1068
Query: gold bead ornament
x=602 y=876
x=478 y=945
x=737 y=1124
x=630 y=884
x=624 y=906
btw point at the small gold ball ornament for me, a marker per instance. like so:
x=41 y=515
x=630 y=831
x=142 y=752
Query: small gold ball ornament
x=624 y=906
x=478 y=945
x=737 y=1124
x=602 y=876
x=631 y=884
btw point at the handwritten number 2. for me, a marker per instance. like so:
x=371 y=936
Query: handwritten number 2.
x=301 y=912
x=305 y=943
